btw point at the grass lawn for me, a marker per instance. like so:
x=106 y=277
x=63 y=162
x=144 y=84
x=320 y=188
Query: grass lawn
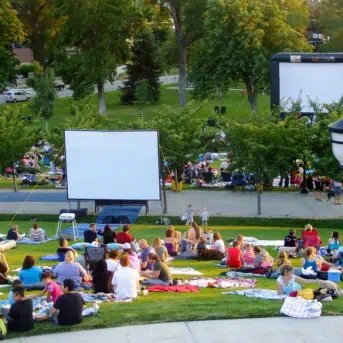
x=236 y=106
x=208 y=304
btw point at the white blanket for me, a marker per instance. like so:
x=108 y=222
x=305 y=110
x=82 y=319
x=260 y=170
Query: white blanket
x=184 y=271
x=263 y=242
x=258 y=293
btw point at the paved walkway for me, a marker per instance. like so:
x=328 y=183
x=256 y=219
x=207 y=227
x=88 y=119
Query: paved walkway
x=219 y=203
x=262 y=330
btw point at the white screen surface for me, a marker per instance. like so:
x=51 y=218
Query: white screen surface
x=112 y=165
x=321 y=82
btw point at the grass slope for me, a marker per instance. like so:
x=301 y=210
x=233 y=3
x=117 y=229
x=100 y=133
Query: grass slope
x=208 y=304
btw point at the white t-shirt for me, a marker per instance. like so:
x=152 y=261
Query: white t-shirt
x=204 y=215
x=125 y=281
x=112 y=265
x=219 y=246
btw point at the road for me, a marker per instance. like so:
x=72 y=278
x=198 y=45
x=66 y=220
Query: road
x=218 y=203
x=109 y=87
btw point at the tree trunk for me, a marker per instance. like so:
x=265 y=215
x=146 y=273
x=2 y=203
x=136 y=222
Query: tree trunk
x=164 y=195
x=252 y=96
x=14 y=179
x=182 y=75
x=259 y=207
x=101 y=98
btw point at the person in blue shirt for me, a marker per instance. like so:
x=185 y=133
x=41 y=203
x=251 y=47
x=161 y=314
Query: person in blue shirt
x=30 y=275
x=16 y=283
x=333 y=243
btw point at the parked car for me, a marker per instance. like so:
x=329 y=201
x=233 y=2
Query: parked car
x=59 y=84
x=17 y=95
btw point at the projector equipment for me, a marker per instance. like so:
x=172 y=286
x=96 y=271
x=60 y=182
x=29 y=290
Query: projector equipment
x=67 y=218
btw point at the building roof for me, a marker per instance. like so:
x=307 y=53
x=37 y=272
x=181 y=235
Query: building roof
x=24 y=55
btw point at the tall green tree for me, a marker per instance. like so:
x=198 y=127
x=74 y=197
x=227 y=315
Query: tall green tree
x=11 y=29
x=240 y=37
x=145 y=65
x=331 y=21
x=188 y=18
x=93 y=41
x=16 y=137
x=41 y=24
x=8 y=65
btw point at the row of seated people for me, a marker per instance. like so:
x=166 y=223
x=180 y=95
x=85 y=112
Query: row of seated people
x=36 y=234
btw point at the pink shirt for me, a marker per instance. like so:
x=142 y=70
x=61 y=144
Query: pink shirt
x=54 y=289
x=248 y=258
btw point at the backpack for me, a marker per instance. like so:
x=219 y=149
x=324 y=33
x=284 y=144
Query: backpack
x=95 y=254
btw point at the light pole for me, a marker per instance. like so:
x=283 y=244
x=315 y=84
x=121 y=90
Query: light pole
x=336 y=136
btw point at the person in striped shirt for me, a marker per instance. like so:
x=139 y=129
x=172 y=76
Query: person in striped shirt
x=37 y=234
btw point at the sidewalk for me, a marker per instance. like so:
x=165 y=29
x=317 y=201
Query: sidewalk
x=218 y=203
x=262 y=330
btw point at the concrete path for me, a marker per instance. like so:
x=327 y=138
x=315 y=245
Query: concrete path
x=263 y=330
x=219 y=203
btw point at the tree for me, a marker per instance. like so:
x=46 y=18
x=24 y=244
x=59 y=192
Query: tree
x=145 y=65
x=16 y=137
x=240 y=37
x=44 y=101
x=188 y=17
x=11 y=29
x=93 y=41
x=331 y=21
x=41 y=24
x=8 y=65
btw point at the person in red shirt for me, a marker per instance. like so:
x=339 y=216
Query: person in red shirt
x=125 y=236
x=234 y=256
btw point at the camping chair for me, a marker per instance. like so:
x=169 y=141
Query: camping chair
x=310 y=239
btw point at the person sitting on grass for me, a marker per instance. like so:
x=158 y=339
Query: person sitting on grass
x=240 y=239
x=4 y=269
x=313 y=261
x=102 y=278
x=90 y=235
x=10 y=298
x=282 y=261
x=69 y=269
x=159 y=273
x=134 y=260
x=69 y=306
x=287 y=281
x=333 y=243
x=248 y=256
x=170 y=242
x=262 y=258
x=63 y=249
x=124 y=236
x=143 y=245
x=30 y=275
x=37 y=234
x=160 y=249
x=14 y=234
x=112 y=262
x=52 y=289
x=291 y=239
x=234 y=259
x=20 y=316
x=108 y=234
x=218 y=245
x=126 y=280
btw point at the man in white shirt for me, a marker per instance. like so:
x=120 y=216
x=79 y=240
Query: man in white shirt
x=126 y=280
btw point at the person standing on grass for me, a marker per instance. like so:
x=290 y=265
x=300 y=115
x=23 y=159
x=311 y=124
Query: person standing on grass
x=338 y=191
x=204 y=217
x=69 y=306
x=20 y=316
x=189 y=214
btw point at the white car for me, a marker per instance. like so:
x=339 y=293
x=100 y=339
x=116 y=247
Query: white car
x=17 y=96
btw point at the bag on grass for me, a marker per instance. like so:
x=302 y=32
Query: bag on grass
x=301 y=308
x=306 y=294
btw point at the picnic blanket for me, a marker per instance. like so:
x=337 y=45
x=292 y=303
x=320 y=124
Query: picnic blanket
x=184 y=271
x=263 y=242
x=222 y=282
x=258 y=293
x=49 y=258
x=174 y=289
x=27 y=240
x=101 y=297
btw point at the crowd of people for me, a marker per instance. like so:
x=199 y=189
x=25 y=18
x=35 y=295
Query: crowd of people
x=123 y=273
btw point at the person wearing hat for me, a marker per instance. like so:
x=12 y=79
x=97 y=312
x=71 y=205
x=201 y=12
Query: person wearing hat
x=134 y=260
x=159 y=274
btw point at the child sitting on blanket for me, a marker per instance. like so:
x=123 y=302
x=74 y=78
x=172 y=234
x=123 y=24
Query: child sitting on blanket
x=240 y=239
x=282 y=261
x=16 y=283
x=51 y=288
x=287 y=282
x=262 y=258
x=248 y=256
